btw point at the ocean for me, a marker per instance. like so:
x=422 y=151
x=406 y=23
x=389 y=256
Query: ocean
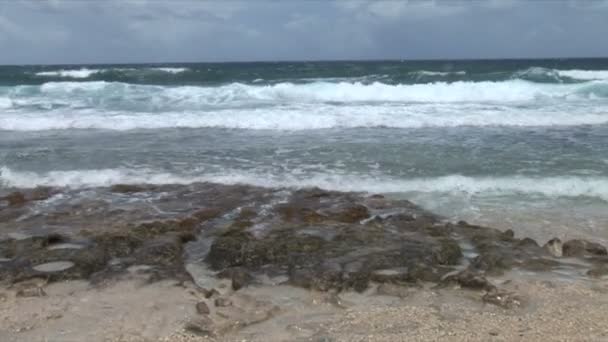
x=515 y=144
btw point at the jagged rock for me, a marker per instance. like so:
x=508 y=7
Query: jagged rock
x=222 y=302
x=583 y=248
x=15 y=199
x=554 y=247
x=598 y=271
x=202 y=308
x=469 y=280
x=323 y=240
x=239 y=277
x=127 y=188
x=211 y=293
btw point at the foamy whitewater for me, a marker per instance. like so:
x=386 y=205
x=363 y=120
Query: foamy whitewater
x=509 y=143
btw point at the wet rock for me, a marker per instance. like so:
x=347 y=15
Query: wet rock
x=583 y=248
x=15 y=199
x=246 y=214
x=448 y=252
x=301 y=277
x=493 y=262
x=207 y=214
x=528 y=242
x=296 y=213
x=539 y=264
x=41 y=193
x=222 y=302
x=127 y=188
x=349 y=214
x=508 y=235
x=554 y=247
x=504 y=299
x=239 y=277
x=202 y=308
x=323 y=240
x=210 y=293
x=394 y=275
x=327 y=276
x=55 y=266
x=470 y=280
x=598 y=271
x=164 y=251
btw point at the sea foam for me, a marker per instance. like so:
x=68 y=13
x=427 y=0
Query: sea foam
x=84 y=73
x=74 y=73
x=556 y=186
x=438 y=92
x=305 y=117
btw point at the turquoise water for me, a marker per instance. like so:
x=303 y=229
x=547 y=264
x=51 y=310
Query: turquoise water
x=519 y=144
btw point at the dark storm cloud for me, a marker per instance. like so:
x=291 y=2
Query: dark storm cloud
x=60 y=31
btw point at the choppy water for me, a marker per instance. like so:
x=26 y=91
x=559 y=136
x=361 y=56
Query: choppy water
x=518 y=144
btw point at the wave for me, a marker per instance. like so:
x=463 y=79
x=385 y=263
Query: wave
x=538 y=74
x=87 y=73
x=305 y=117
x=205 y=75
x=97 y=92
x=171 y=70
x=5 y=103
x=74 y=73
x=438 y=73
x=564 y=186
x=547 y=75
x=584 y=74
x=288 y=106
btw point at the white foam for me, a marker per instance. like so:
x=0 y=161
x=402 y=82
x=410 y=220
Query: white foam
x=172 y=70
x=288 y=106
x=307 y=117
x=86 y=73
x=537 y=73
x=75 y=73
x=5 y=103
x=562 y=186
x=236 y=93
x=439 y=73
x=584 y=74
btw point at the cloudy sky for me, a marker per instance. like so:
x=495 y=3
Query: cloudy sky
x=98 y=31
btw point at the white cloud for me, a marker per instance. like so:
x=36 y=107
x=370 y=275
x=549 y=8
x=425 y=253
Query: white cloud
x=404 y=9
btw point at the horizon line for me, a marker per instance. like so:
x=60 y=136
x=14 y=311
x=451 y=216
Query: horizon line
x=310 y=61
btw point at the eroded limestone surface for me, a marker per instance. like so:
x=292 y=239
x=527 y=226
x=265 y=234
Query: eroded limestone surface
x=309 y=238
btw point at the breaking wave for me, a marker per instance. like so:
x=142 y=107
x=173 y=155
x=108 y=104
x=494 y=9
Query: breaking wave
x=84 y=73
x=302 y=118
x=439 y=92
x=563 y=186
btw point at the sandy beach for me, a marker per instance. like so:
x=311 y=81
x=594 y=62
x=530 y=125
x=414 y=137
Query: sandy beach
x=132 y=311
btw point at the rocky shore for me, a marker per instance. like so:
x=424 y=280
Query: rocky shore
x=234 y=260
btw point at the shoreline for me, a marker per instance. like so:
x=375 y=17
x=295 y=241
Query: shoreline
x=283 y=264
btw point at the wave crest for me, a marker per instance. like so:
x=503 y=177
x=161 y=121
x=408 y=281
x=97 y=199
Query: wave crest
x=438 y=92
x=84 y=73
x=563 y=186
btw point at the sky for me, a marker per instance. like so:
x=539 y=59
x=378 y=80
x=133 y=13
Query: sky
x=155 y=31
